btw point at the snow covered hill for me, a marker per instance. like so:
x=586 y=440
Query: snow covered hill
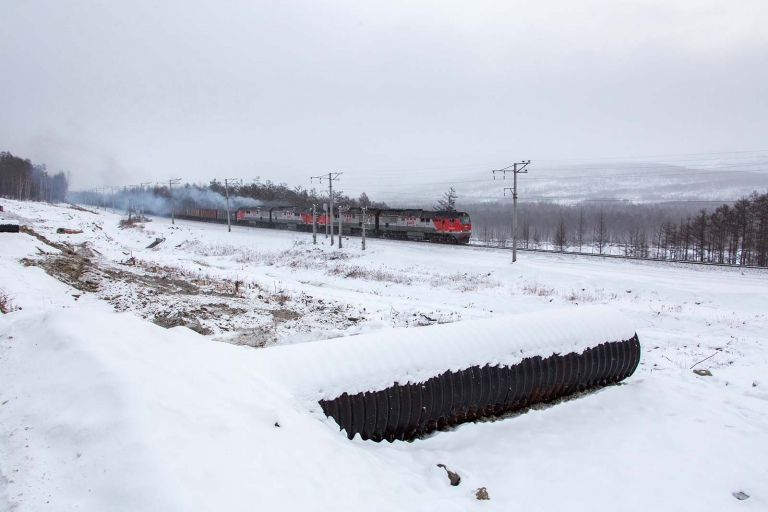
x=642 y=182
x=112 y=399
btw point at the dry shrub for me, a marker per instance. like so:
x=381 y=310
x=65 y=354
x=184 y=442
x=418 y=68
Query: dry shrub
x=465 y=281
x=359 y=272
x=281 y=298
x=6 y=302
x=536 y=289
x=131 y=223
x=583 y=295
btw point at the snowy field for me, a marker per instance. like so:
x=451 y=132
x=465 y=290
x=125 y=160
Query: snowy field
x=132 y=379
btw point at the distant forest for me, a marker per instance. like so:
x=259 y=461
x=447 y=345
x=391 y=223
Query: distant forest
x=735 y=234
x=732 y=234
x=21 y=179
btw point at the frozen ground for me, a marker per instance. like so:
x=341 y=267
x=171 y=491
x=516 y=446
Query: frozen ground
x=108 y=403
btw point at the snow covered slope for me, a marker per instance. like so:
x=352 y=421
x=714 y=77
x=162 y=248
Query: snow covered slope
x=375 y=361
x=103 y=408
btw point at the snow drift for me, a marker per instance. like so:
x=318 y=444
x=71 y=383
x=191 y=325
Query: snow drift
x=402 y=384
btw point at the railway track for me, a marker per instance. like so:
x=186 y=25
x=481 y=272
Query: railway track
x=521 y=249
x=620 y=257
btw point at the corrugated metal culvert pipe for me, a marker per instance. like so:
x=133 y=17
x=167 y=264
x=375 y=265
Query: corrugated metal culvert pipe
x=403 y=383
x=410 y=410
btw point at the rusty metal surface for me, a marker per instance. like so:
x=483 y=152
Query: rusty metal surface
x=408 y=411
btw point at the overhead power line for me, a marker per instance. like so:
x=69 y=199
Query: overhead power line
x=396 y=172
x=384 y=187
x=658 y=156
x=562 y=173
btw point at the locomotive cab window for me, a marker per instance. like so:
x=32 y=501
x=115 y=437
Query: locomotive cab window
x=464 y=219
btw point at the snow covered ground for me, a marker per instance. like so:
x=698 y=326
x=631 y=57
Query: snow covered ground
x=108 y=402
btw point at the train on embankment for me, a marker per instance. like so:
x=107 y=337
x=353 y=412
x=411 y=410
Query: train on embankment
x=402 y=224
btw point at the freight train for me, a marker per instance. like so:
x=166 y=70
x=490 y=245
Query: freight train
x=402 y=224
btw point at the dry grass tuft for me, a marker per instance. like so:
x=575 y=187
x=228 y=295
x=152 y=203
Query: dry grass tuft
x=6 y=302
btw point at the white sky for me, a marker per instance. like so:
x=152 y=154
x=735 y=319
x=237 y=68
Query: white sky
x=125 y=92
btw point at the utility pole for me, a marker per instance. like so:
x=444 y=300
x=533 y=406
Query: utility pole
x=340 y=237
x=170 y=191
x=515 y=171
x=331 y=176
x=365 y=211
x=141 y=196
x=112 y=189
x=314 y=224
x=132 y=200
x=235 y=182
x=127 y=194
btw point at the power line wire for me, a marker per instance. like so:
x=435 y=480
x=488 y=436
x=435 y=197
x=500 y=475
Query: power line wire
x=463 y=167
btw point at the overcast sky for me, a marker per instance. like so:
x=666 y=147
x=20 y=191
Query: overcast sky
x=124 y=92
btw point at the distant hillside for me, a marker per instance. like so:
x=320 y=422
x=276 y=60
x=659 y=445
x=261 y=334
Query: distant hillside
x=637 y=182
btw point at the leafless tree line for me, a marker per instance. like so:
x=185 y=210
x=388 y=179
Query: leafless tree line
x=157 y=198
x=21 y=179
x=735 y=234
x=269 y=192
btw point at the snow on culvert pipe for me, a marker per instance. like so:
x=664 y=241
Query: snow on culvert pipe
x=403 y=383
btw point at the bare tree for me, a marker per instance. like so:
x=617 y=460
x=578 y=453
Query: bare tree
x=364 y=201
x=526 y=233
x=581 y=229
x=448 y=202
x=560 y=240
x=601 y=233
x=24 y=180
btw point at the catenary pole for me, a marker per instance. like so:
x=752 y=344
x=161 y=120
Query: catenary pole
x=365 y=210
x=515 y=171
x=331 y=177
x=314 y=224
x=170 y=191
x=127 y=193
x=227 y=181
x=330 y=204
x=142 y=197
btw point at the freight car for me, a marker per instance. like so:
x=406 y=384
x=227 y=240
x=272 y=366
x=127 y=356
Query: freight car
x=280 y=217
x=402 y=224
x=203 y=214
